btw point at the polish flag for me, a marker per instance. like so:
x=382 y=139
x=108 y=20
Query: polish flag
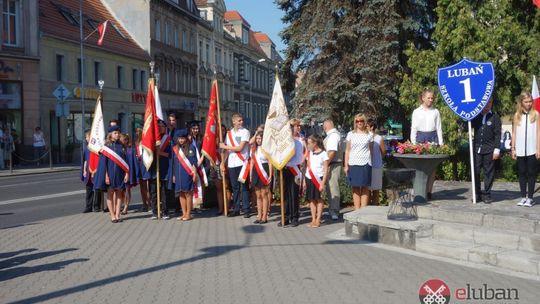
x=101 y=29
x=535 y=94
x=537 y=3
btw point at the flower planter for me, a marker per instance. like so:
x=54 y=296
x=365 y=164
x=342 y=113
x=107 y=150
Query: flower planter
x=424 y=165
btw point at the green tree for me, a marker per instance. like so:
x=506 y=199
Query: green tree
x=351 y=54
x=504 y=32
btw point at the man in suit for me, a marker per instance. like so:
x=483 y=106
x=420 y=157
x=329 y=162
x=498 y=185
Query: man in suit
x=487 y=138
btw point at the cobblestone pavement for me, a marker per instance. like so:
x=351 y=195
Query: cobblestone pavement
x=86 y=259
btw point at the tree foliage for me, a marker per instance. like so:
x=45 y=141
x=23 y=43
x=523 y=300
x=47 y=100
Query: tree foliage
x=504 y=32
x=351 y=53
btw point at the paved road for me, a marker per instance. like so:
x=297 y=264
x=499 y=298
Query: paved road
x=33 y=198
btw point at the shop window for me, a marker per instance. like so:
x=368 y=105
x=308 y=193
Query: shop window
x=11 y=105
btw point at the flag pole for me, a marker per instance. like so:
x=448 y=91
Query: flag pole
x=83 y=122
x=222 y=154
x=158 y=183
x=281 y=198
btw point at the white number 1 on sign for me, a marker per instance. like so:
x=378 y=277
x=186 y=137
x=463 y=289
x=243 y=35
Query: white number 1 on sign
x=467 y=86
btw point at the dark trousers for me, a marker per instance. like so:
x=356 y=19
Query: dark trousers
x=290 y=196
x=238 y=187
x=93 y=198
x=90 y=196
x=152 y=183
x=527 y=175
x=485 y=162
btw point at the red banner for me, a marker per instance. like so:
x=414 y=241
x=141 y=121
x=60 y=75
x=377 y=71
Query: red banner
x=209 y=148
x=150 y=137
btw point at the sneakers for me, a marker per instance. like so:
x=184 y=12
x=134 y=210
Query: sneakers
x=335 y=217
x=528 y=203
x=165 y=217
x=154 y=217
x=521 y=201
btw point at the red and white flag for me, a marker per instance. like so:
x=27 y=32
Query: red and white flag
x=150 y=137
x=101 y=29
x=209 y=147
x=97 y=137
x=159 y=111
x=535 y=94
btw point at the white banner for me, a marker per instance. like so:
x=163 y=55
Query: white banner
x=278 y=142
x=97 y=133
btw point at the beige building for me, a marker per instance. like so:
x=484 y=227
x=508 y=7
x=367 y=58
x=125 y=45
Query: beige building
x=120 y=62
x=167 y=31
x=19 y=71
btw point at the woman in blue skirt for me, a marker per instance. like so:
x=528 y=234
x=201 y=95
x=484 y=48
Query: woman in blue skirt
x=358 y=158
x=183 y=172
x=116 y=171
x=133 y=180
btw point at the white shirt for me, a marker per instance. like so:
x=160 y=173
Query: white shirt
x=526 y=144
x=359 y=155
x=317 y=163
x=426 y=120
x=239 y=136
x=260 y=156
x=39 y=141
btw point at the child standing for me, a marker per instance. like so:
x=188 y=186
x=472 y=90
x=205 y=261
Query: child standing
x=525 y=146
x=260 y=179
x=116 y=172
x=316 y=176
x=133 y=179
x=183 y=172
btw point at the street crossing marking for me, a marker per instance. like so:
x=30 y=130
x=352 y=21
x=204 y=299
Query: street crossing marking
x=41 y=197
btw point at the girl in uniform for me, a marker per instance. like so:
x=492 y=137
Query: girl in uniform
x=316 y=176
x=261 y=175
x=142 y=172
x=131 y=157
x=184 y=175
x=116 y=172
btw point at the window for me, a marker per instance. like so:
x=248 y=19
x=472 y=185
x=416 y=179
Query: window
x=203 y=15
x=200 y=50
x=207 y=53
x=118 y=31
x=66 y=13
x=134 y=78
x=79 y=71
x=97 y=72
x=177 y=80
x=245 y=36
x=59 y=67
x=176 y=42
x=157 y=30
x=144 y=83
x=120 y=76
x=184 y=40
x=11 y=15
x=218 y=56
x=166 y=36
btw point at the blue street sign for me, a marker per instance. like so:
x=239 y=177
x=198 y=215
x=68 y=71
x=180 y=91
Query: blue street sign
x=466 y=87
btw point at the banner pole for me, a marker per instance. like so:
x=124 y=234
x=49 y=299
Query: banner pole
x=472 y=163
x=222 y=154
x=281 y=198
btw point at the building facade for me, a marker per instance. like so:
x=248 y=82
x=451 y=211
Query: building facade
x=19 y=70
x=120 y=62
x=167 y=31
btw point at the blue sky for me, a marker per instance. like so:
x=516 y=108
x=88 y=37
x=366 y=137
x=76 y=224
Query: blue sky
x=262 y=15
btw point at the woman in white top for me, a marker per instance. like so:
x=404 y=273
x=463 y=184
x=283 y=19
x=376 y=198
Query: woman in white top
x=261 y=175
x=525 y=146
x=358 y=159
x=39 y=144
x=426 y=127
x=379 y=150
x=316 y=176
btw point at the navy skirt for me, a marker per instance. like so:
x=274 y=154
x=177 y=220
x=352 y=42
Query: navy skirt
x=359 y=176
x=312 y=193
x=256 y=180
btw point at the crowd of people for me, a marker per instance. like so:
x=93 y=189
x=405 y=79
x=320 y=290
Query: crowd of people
x=313 y=172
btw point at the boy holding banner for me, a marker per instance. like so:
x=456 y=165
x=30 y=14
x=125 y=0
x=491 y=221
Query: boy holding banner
x=237 y=147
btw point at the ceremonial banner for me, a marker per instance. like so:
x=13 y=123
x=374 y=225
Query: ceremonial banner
x=535 y=94
x=159 y=111
x=209 y=147
x=278 y=143
x=150 y=137
x=97 y=137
